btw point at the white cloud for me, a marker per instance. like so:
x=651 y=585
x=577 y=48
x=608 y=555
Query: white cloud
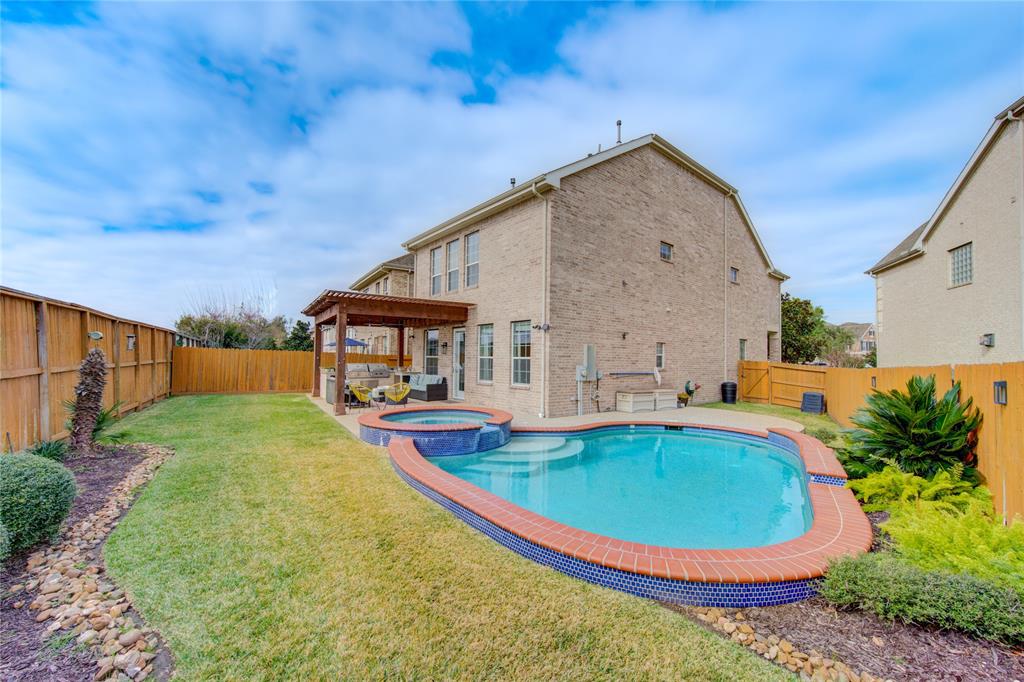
x=124 y=120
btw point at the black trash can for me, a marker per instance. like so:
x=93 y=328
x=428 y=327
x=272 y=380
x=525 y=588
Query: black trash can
x=729 y=392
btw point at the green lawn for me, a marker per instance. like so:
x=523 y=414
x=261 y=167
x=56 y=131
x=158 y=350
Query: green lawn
x=274 y=545
x=810 y=421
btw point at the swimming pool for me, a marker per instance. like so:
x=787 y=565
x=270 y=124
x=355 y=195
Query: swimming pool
x=657 y=487
x=682 y=513
x=437 y=417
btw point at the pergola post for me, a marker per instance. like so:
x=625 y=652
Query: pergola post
x=401 y=346
x=318 y=348
x=340 y=332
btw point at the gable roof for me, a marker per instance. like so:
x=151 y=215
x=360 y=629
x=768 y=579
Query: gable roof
x=913 y=244
x=404 y=262
x=552 y=180
x=858 y=329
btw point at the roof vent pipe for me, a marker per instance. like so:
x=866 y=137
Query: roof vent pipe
x=512 y=181
x=618 y=131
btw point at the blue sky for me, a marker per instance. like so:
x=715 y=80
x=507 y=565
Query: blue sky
x=153 y=154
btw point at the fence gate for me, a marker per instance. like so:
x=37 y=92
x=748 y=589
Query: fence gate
x=755 y=382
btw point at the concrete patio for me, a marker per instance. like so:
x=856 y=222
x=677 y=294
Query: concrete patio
x=687 y=415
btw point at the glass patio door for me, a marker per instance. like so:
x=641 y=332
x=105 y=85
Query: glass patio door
x=459 y=364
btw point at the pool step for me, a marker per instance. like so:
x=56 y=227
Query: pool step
x=491 y=437
x=539 y=451
x=503 y=468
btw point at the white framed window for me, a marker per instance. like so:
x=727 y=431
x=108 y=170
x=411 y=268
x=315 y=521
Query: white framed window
x=453 y=265
x=376 y=287
x=384 y=285
x=430 y=348
x=485 y=343
x=659 y=355
x=665 y=251
x=472 y=259
x=521 y=347
x=734 y=275
x=743 y=349
x=961 y=265
x=435 y=271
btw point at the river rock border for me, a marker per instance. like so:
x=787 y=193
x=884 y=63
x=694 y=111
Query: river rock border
x=73 y=593
x=809 y=665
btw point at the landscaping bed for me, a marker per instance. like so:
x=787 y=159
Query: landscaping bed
x=53 y=594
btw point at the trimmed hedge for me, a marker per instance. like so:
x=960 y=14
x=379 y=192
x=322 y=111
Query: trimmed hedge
x=5 y=542
x=894 y=589
x=35 y=497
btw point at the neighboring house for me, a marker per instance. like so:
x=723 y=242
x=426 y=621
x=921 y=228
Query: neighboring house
x=863 y=334
x=391 y=278
x=953 y=290
x=637 y=250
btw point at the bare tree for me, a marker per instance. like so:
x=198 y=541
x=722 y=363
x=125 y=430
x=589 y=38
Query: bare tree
x=92 y=378
x=222 y=319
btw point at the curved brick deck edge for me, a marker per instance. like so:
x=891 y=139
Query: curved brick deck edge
x=839 y=526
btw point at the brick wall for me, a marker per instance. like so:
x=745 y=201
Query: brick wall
x=384 y=340
x=610 y=287
x=510 y=289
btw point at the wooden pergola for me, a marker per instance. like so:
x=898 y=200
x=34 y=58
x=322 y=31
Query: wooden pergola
x=345 y=308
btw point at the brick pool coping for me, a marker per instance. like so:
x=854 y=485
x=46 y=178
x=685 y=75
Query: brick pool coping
x=375 y=420
x=839 y=526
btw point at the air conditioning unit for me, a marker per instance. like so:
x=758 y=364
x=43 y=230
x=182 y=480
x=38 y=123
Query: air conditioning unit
x=987 y=340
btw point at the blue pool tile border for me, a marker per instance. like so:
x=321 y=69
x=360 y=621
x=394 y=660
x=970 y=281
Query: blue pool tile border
x=828 y=480
x=684 y=592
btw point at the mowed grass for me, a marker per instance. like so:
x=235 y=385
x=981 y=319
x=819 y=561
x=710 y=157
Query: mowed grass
x=810 y=421
x=274 y=545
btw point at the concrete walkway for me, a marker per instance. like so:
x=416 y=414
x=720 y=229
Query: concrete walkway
x=689 y=415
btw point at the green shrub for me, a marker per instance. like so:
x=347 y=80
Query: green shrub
x=915 y=431
x=56 y=450
x=825 y=435
x=970 y=542
x=5 y=543
x=896 y=590
x=890 y=488
x=35 y=496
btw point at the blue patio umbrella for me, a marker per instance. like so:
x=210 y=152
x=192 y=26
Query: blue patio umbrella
x=354 y=342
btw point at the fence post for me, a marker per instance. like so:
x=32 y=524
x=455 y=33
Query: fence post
x=45 y=430
x=117 y=365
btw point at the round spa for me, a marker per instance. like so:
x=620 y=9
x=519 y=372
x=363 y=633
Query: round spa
x=439 y=430
x=680 y=513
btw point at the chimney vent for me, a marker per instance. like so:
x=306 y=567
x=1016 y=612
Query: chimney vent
x=512 y=181
x=618 y=133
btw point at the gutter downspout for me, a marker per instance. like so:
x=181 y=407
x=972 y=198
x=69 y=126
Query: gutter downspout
x=1020 y=213
x=545 y=265
x=725 y=287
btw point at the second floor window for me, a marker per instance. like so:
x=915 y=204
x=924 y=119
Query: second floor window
x=384 y=286
x=734 y=275
x=435 y=271
x=376 y=288
x=666 y=251
x=472 y=259
x=961 y=265
x=486 y=355
x=659 y=355
x=453 y=265
x=430 y=352
x=521 y=347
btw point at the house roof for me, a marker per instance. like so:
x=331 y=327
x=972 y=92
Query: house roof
x=552 y=180
x=858 y=329
x=913 y=244
x=405 y=262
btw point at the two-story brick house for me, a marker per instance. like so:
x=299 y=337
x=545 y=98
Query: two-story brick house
x=391 y=278
x=637 y=250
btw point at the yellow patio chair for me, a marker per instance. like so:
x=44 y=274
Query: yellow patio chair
x=397 y=394
x=359 y=395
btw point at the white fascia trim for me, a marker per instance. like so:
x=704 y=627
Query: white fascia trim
x=961 y=179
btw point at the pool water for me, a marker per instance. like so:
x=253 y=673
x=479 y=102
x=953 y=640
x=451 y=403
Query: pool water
x=657 y=487
x=438 y=417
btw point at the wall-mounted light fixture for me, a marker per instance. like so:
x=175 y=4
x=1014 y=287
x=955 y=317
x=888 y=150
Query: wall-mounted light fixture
x=874 y=382
x=444 y=348
x=95 y=336
x=131 y=341
x=999 y=392
x=987 y=340
x=624 y=335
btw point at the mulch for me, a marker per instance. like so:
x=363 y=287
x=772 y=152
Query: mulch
x=25 y=654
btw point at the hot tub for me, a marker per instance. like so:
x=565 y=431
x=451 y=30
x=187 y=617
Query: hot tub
x=439 y=430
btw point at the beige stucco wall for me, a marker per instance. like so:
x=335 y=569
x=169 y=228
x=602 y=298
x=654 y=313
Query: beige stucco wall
x=607 y=280
x=510 y=289
x=920 y=319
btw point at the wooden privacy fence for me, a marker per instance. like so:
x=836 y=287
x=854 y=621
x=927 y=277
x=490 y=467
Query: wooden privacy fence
x=42 y=343
x=1000 y=439
x=223 y=370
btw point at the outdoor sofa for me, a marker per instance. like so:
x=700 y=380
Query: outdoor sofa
x=427 y=387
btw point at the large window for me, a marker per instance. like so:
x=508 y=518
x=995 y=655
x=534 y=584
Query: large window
x=521 y=353
x=472 y=259
x=659 y=355
x=430 y=352
x=384 y=285
x=486 y=354
x=453 y=265
x=961 y=265
x=435 y=271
